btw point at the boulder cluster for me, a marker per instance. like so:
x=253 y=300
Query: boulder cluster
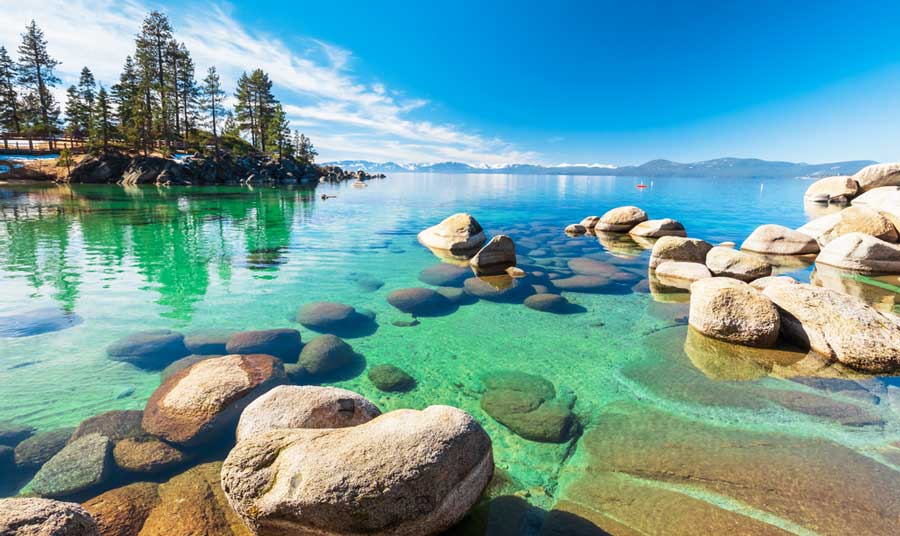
x=224 y=168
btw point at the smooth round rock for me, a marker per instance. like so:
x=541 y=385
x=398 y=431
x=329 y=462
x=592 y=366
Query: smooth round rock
x=588 y=266
x=583 y=283
x=621 y=219
x=529 y=406
x=324 y=354
x=547 y=303
x=36 y=321
x=12 y=434
x=658 y=228
x=146 y=455
x=201 y=402
x=576 y=229
x=859 y=252
x=680 y=274
x=184 y=363
x=44 y=517
x=877 y=176
x=404 y=473
x=294 y=406
x=282 y=343
x=733 y=311
x=590 y=222
x=153 y=349
x=676 y=248
x=116 y=425
x=37 y=449
x=840 y=188
x=390 y=378
x=863 y=219
x=208 y=342
x=445 y=275
x=326 y=317
x=727 y=262
x=458 y=233
x=779 y=240
x=419 y=301
x=498 y=288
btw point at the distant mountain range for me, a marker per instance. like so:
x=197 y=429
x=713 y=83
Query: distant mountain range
x=720 y=167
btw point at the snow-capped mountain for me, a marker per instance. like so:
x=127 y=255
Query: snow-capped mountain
x=720 y=167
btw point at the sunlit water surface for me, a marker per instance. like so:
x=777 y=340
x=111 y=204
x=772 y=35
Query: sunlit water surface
x=129 y=259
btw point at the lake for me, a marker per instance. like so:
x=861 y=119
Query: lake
x=673 y=429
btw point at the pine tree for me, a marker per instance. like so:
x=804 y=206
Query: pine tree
x=279 y=132
x=187 y=90
x=74 y=113
x=244 y=108
x=87 y=89
x=152 y=51
x=10 y=120
x=304 y=150
x=126 y=97
x=264 y=103
x=211 y=102
x=103 y=125
x=36 y=72
x=230 y=127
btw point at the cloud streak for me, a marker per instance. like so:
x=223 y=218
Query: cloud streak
x=345 y=117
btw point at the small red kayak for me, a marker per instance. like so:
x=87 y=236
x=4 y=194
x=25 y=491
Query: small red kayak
x=641 y=185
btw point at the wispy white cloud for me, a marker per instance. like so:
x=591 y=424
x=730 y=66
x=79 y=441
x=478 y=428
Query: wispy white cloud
x=346 y=117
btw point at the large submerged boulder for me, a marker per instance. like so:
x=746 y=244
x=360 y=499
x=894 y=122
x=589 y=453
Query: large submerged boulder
x=122 y=511
x=324 y=354
x=458 y=234
x=37 y=449
x=838 y=326
x=281 y=343
x=200 y=402
x=860 y=252
x=779 y=240
x=152 y=349
x=529 y=406
x=404 y=473
x=44 y=517
x=81 y=465
x=877 y=175
x=733 y=311
x=420 y=301
x=621 y=219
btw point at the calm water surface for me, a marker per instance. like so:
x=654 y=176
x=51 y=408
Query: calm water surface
x=111 y=261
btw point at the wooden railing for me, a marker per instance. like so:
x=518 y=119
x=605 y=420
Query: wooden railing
x=35 y=145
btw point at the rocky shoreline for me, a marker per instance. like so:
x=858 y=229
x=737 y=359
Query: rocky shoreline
x=119 y=168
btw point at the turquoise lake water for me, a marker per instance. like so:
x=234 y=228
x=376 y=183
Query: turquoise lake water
x=107 y=261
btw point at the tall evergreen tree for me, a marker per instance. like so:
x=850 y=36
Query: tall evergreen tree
x=304 y=150
x=87 y=90
x=10 y=121
x=103 y=125
x=211 y=102
x=36 y=72
x=80 y=105
x=255 y=107
x=152 y=55
x=186 y=90
x=244 y=110
x=279 y=132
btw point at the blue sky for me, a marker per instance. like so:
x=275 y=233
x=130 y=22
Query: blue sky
x=578 y=82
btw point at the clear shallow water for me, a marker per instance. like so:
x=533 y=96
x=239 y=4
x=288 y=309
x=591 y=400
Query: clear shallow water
x=107 y=261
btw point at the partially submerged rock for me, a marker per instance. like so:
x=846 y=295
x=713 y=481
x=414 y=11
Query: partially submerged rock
x=658 y=228
x=860 y=252
x=293 y=406
x=727 y=262
x=445 y=275
x=838 y=326
x=680 y=274
x=36 y=321
x=621 y=219
x=676 y=248
x=122 y=511
x=838 y=189
x=495 y=257
x=12 y=434
x=281 y=343
x=198 y=403
x=877 y=175
x=44 y=517
x=862 y=219
x=153 y=349
x=117 y=424
x=733 y=311
x=576 y=229
x=146 y=455
x=499 y=288
x=459 y=233
x=590 y=222
x=208 y=341
x=425 y=472
x=332 y=317
x=779 y=240
x=529 y=406
x=81 y=465
x=548 y=303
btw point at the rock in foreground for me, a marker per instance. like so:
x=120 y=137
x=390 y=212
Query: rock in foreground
x=838 y=326
x=81 y=465
x=44 y=517
x=423 y=472
x=727 y=262
x=733 y=311
x=196 y=404
x=676 y=248
x=621 y=219
x=838 y=189
x=293 y=406
x=877 y=176
x=658 y=228
x=680 y=274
